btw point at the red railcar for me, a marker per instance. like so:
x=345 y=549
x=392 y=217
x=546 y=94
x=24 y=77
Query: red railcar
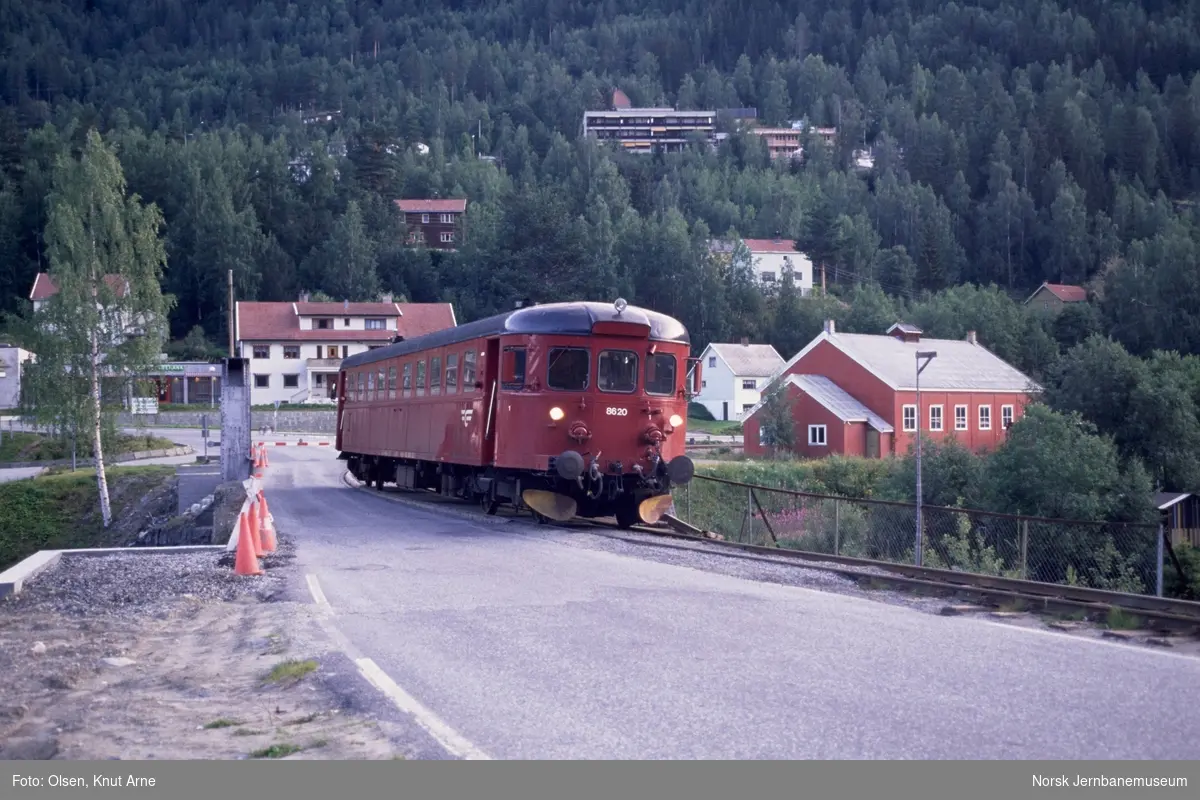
x=568 y=409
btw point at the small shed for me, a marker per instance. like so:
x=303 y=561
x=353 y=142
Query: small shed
x=1181 y=512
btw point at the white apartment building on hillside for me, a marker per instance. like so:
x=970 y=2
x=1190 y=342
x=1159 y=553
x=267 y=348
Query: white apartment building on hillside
x=771 y=259
x=296 y=349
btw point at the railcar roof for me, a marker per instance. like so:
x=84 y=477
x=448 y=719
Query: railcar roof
x=574 y=319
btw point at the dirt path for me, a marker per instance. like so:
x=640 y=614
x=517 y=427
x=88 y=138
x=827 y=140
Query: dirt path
x=182 y=673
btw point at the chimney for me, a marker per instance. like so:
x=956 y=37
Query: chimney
x=971 y=337
x=386 y=297
x=304 y=297
x=829 y=327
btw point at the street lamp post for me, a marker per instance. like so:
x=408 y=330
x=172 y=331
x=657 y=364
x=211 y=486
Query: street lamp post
x=927 y=355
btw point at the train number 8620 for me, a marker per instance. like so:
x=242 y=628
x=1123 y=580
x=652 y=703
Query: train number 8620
x=616 y=412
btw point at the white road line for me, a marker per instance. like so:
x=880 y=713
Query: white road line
x=315 y=589
x=1145 y=649
x=446 y=736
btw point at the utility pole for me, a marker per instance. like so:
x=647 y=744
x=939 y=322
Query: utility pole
x=928 y=355
x=232 y=316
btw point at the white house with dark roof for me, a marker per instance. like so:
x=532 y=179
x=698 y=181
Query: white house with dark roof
x=855 y=394
x=733 y=376
x=771 y=259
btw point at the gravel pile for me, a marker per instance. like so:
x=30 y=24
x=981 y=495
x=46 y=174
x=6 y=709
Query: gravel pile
x=132 y=584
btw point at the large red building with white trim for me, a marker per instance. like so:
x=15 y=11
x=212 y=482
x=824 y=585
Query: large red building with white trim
x=855 y=394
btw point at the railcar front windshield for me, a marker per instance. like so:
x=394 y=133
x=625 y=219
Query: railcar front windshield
x=660 y=374
x=618 y=371
x=568 y=369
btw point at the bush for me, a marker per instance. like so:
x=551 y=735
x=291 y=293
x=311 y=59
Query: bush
x=697 y=411
x=1189 y=560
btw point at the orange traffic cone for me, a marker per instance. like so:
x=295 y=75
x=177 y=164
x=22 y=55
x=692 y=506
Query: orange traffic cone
x=255 y=534
x=246 y=562
x=258 y=462
x=265 y=529
x=266 y=458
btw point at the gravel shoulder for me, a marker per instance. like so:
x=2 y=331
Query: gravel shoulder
x=169 y=657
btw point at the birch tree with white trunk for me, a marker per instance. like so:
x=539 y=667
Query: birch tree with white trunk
x=106 y=324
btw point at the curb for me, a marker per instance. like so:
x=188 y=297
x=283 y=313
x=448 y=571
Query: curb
x=87 y=462
x=13 y=579
x=295 y=444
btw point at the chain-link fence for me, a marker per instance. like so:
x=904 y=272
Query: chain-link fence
x=1117 y=556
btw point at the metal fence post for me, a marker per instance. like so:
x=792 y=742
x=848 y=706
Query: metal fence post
x=1159 y=562
x=687 y=499
x=1024 y=549
x=749 y=515
x=837 y=525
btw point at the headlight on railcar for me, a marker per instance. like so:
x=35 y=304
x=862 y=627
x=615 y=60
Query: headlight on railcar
x=556 y=413
x=676 y=420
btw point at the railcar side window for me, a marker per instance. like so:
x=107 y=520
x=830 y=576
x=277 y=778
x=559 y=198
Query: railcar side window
x=568 y=369
x=407 y=380
x=660 y=374
x=371 y=385
x=435 y=375
x=618 y=371
x=392 y=383
x=452 y=373
x=362 y=383
x=381 y=384
x=513 y=374
x=421 y=376
x=468 y=371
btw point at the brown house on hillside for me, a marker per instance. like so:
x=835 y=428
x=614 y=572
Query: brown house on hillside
x=1053 y=296
x=436 y=224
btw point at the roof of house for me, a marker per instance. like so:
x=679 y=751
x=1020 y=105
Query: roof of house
x=749 y=360
x=840 y=403
x=430 y=206
x=905 y=327
x=1164 y=500
x=1064 y=292
x=960 y=365
x=274 y=322
x=309 y=308
x=771 y=245
x=44 y=286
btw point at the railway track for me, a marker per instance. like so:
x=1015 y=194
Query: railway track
x=1160 y=614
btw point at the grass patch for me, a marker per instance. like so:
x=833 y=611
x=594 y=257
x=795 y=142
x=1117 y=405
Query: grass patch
x=61 y=511
x=304 y=720
x=277 y=750
x=714 y=427
x=290 y=671
x=1120 y=620
x=24 y=446
x=221 y=723
x=247 y=732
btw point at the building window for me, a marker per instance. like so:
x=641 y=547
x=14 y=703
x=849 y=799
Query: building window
x=447 y=238
x=985 y=418
x=712 y=362
x=935 y=418
x=371 y=385
x=424 y=219
x=421 y=376
x=452 y=373
x=392 y=383
x=376 y=324
x=291 y=381
x=468 y=376
x=262 y=381
x=262 y=351
x=345 y=351
x=816 y=435
x=746 y=407
x=960 y=418
x=291 y=351
x=1006 y=417
x=345 y=322
x=909 y=414
x=703 y=384
x=323 y=324
x=406 y=379
x=750 y=383
x=435 y=375
x=362 y=386
x=768 y=277
x=447 y=219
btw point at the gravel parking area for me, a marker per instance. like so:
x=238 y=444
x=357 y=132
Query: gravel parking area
x=173 y=657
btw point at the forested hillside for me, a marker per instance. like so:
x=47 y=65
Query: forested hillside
x=1015 y=141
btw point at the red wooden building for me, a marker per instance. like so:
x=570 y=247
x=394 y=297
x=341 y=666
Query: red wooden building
x=855 y=394
x=435 y=224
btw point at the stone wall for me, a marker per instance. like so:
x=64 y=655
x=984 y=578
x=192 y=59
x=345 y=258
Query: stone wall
x=314 y=421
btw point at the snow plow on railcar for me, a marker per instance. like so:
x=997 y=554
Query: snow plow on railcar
x=563 y=409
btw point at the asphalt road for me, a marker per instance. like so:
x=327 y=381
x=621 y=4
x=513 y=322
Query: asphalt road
x=517 y=645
